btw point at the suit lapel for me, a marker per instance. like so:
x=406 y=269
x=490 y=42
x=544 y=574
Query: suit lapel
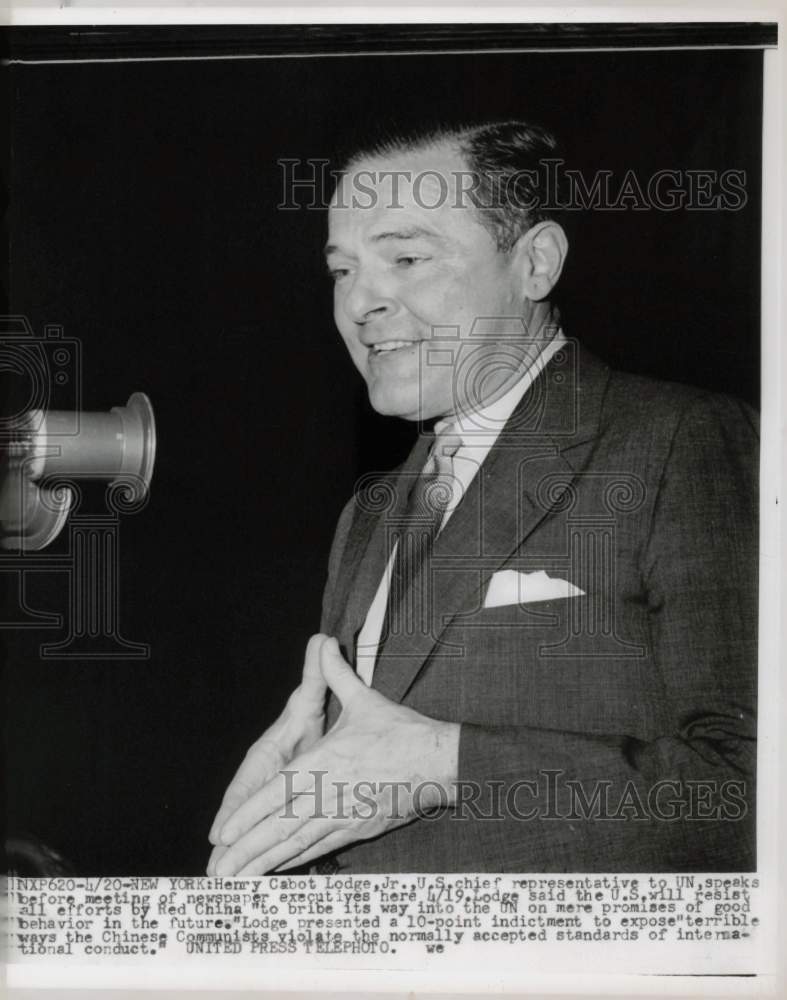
x=545 y=442
x=380 y=500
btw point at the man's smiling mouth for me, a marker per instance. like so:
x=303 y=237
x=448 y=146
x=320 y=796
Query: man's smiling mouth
x=392 y=345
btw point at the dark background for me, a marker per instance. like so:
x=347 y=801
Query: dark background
x=144 y=220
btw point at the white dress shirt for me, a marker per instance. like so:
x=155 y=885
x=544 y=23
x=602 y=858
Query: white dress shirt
x=478 y=430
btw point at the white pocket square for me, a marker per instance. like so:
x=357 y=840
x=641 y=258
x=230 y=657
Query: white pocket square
x=510 y=587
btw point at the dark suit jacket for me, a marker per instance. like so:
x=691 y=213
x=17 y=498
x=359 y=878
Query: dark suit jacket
x=609 y=732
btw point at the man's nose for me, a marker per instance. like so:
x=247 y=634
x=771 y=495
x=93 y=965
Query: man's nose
x=366 y=300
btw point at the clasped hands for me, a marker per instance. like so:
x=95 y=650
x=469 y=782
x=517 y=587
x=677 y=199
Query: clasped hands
x=301 y=793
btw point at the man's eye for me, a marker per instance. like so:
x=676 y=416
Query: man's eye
x=408 y=260
x=338 y=273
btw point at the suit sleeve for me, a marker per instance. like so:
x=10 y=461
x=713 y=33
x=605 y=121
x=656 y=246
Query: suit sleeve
x=685 y=799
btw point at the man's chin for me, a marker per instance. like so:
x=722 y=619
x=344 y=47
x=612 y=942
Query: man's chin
x=393 y=404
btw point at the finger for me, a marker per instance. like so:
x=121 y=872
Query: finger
x=215 y=855
x=253 y=774
x=260 y=765
x=272 y=798
x=266 y=756
x=299 y=843
x=269 y=835
x=331 y=842
x=313 y=682
x=339 y=675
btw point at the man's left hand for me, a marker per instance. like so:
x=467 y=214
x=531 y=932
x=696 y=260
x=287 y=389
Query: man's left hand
x=378 y=767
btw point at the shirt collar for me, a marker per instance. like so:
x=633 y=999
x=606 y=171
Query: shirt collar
x=487 y=421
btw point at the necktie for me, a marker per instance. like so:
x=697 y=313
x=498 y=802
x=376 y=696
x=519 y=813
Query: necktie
x=410 y=594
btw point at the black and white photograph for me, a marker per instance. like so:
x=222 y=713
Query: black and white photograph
x=385 y=485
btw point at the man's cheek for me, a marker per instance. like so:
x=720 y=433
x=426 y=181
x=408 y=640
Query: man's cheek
x=433 y=302
x=449 y=309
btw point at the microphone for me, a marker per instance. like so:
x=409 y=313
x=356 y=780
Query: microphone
x=49 y=446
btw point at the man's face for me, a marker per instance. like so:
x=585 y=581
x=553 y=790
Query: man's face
x=409 y=256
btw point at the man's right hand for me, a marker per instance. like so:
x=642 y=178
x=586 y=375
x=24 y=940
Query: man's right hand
x=298 y=727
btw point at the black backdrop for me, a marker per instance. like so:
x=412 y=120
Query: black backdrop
x=143 y=219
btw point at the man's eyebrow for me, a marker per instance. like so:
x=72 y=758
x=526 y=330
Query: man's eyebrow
x=331 y=248
x=406 y=233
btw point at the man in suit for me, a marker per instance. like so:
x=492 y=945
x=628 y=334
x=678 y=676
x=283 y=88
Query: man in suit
x=539 y=635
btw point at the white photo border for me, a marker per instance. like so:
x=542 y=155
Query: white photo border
x=51 y=982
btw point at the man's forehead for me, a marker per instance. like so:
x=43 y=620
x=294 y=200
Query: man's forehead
x=420 y=184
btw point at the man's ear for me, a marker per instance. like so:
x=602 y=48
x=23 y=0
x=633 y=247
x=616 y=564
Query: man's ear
x=542 y=252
